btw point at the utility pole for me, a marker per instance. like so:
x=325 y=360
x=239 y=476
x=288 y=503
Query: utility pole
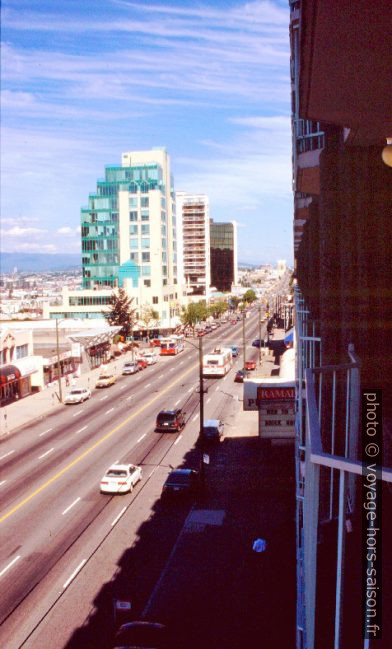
x=58 y=362
x=260 y=334
x=201 y=408
x=243 y=338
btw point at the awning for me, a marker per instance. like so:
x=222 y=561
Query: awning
x=289 y=337
x=9 y=374
x=95 y=337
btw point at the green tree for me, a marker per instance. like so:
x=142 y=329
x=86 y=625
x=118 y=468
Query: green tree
x=218 y=309
x=192 y=314
x=121 y=313
x=250 y=296
x=148 y=316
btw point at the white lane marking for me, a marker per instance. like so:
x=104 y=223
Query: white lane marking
x=75 y=572
x=225 y=377
x=148 y=385
x=45 y=431
x=177 y=402
x=161 y=376
x=47 y=453
x=2 y=482
x=152 y=472
x=9 y=565
x=140 y=438
x=81 y=429
x=208 y=400
x=190 y=390
x=77 y=413
x=131 y=397
x=178 y=439
x=195 y=417
x=71 y=505
x=7 y=454
x=103 y=398
x=217 y=389
x=122 y=387
x=110 y=410
x=118 y=516
x=181 y=362
x=172 y=369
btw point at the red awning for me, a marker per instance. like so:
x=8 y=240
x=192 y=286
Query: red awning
x=8 y=374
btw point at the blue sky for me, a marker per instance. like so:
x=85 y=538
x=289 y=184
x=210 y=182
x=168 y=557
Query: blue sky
x=83 y=81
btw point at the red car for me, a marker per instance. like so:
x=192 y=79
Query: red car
x=142 y=363
x=250 y=365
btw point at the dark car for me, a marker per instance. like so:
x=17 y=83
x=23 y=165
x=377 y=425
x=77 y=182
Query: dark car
x=256 y=343
x=212 y=430
x=142 y=635
x=168 y=420
x=181 y=482
x=240 y=376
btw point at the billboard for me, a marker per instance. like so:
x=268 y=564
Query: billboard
x=258 y=392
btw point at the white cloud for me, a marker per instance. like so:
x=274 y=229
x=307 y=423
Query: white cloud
x=22 y=232
x=68 y=232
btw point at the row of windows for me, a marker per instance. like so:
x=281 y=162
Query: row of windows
x=134 y=201
x=144 y=215
x=91 y=245
x=134 y=243
x=88 y=301
x=134 y=229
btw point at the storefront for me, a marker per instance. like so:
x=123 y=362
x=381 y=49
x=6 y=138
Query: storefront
x=15 y=380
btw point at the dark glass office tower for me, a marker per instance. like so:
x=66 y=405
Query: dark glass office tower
x=223 y=243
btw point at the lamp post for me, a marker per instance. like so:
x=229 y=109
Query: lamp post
x=260 y=333
x=243 y=338
x=58 y=362
x=201 y=402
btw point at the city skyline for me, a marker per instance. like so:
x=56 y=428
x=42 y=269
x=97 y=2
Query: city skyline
x=209 y=83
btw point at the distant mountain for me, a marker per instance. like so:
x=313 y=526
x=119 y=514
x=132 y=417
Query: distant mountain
x=37 y=262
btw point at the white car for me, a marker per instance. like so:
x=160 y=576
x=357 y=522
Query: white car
x=131 y=368
x=120 y=478
x=77 y=395
x=151 y=358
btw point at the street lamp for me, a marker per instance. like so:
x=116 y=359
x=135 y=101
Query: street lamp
x=58 y=362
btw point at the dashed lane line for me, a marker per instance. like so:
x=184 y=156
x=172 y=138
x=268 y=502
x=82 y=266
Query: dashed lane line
x=103 y=398
x=124 y=509
x=70 y=506
x=45 y=454
x=77 y=413
x=178 y=439
x=140 y=438
x=11 y=563
x=75 y=572
x=45 y=431
x=6 y=454
x=81 y=429
x=108 y=411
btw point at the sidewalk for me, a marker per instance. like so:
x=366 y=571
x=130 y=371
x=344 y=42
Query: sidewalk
x=215 y=590
x=36 y=406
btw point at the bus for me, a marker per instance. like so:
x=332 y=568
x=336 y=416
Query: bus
x=218 y=362
x=172 y=346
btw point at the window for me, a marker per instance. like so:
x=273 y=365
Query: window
x=164 y=270
x=145 y=215
x=164 y=282
x=147 y=282
x=144 y=201
x=164 y=257
x=134 y=243
x=146 y=270
x=166 y=298
x=133 y=216
x=146 y=256
x=133 y=229
x=155 y=299
x=145 y=229
x=134 y=256
x=145 y=243
x=133 y=201
x=21 y=351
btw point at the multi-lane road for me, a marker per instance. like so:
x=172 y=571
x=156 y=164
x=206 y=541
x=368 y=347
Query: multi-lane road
x=52 y=516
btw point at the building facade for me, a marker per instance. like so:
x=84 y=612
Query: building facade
x=224 y=264
x=193 y=216
x=129 y=240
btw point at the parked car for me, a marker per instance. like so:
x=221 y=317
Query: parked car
x=155 y=342
x=151 y=358
x=240 y=375
x=142 y=363
x=208 y=329
x=212 y=430
x=169 y=420
x=200 y=333
x=250 y=365
x=120 y=478
x=77 y=395
x=234 y=351
x=142 y=635
x=181 y=482
x=131 y=368
x=105 y=381
x=214 y=325
x=256 y=343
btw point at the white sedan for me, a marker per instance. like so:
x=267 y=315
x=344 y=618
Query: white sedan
x=120 y=478
x=151 y=358
x=77 y=395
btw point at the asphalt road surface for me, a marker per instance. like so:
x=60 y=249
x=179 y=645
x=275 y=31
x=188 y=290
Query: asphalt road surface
x=52 y=515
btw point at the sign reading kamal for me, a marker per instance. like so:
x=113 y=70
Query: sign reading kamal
x=260 y=391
